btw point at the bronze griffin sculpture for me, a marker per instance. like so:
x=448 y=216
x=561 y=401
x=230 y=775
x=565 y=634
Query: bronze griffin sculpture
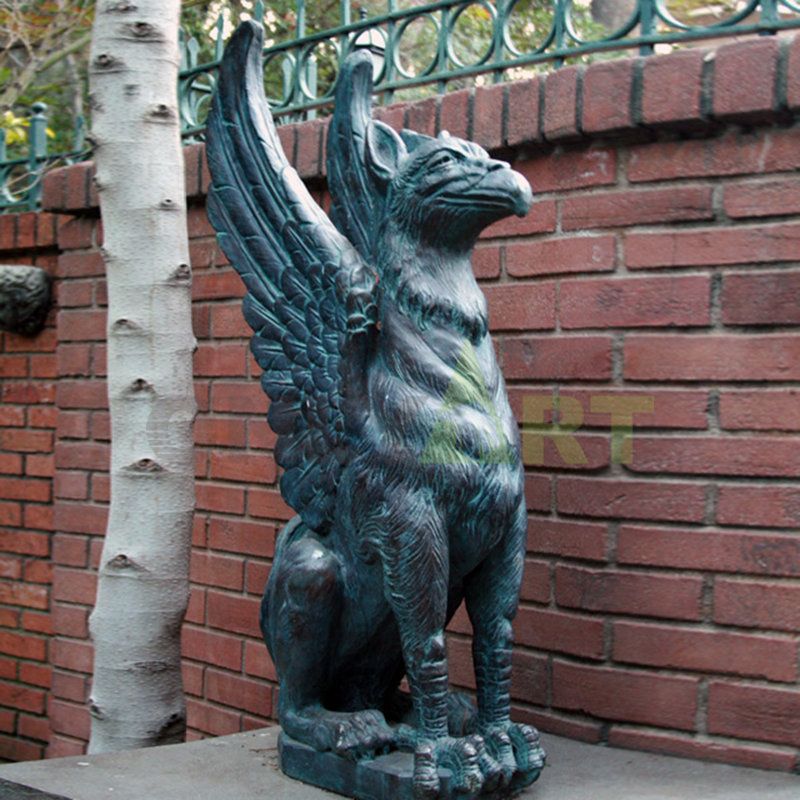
x=399 y=451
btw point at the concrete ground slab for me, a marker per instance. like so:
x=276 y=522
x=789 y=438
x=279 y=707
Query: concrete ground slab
x=245 y=767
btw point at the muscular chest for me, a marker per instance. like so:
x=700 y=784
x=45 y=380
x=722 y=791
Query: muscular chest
x=442 y=398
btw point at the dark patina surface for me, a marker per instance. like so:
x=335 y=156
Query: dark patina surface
x=17 y=791
x=24 y=299
x=398 y=447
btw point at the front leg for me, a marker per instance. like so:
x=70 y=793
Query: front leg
x=492 y=597
x=415 y=558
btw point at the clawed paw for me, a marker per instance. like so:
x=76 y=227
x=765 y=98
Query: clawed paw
x=464 y=758
x=501 y=756
x=362 y=734
x=356 y=735
x=518 y=750
x=498 y=745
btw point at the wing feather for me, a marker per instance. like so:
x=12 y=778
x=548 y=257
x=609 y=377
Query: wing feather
x=355 y=200
x=310 y=296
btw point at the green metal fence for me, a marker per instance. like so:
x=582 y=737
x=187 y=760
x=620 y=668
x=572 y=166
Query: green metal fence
x=21 y=176
x=421 y=48
x=440 y=45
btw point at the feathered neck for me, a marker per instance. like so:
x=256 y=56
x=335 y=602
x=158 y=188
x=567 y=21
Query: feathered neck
x=432 y=287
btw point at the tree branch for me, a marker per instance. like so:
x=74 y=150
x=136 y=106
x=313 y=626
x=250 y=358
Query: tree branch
x=79 y=43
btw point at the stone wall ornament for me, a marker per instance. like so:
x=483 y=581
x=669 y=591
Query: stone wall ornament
x=24 y=299
x=399 y=451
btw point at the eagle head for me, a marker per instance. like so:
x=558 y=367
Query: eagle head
x=443 y=190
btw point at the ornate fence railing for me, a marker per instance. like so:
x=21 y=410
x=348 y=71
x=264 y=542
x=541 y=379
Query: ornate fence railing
x=21 y=175
x=439 y=44
x=420 y=48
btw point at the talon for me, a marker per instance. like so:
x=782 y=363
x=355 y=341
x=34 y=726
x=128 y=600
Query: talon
x=491 y=772
x=527 y=750
x=426 y=774
x=463 y=762
x=351 y=735
x=518 y=753
x=499 y=746
x=463 y=757
x=469 y=751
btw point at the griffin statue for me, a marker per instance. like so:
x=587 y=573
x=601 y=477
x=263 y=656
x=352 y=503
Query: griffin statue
x=399 y=451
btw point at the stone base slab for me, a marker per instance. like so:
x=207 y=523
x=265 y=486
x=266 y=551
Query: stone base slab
x=387 y=777
x=244 y=766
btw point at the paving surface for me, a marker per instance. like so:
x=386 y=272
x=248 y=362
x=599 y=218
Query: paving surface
x=245 y=767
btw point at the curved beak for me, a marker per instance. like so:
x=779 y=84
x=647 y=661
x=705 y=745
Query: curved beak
x=504 y=187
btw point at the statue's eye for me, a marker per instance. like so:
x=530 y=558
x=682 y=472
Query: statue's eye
x=442 y=160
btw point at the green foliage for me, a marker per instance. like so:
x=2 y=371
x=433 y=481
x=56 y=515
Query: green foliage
x=42 y=59
x=701 y=12
x=57 y=95
x=14 y=127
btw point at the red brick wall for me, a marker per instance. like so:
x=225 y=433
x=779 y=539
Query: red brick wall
x=656 y=280
x=27 y=423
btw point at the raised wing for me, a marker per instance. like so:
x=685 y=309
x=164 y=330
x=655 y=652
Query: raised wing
x=310 y=297
x=355 y=201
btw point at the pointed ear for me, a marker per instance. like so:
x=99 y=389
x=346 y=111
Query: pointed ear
x=413 y=140
x=385 y=151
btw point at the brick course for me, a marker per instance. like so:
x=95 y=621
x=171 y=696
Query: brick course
x=648 y=304
x=28 y=369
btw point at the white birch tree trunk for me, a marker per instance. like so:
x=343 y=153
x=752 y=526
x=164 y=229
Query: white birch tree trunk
x=137 y=694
